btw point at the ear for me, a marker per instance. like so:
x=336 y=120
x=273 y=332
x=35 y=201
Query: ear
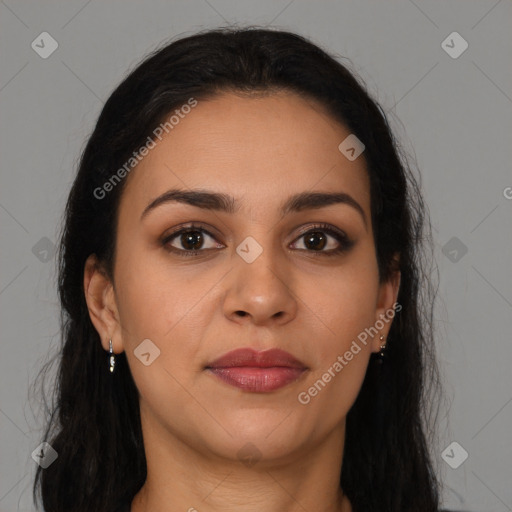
x=100 y=298
x=384 y=312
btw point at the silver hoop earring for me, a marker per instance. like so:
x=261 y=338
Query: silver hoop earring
x=112 y=358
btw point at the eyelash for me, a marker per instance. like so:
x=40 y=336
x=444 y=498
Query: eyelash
x=340 y=236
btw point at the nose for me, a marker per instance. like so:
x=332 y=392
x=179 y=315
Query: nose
x=260 y=292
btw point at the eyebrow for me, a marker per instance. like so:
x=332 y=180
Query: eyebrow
x=224 y=203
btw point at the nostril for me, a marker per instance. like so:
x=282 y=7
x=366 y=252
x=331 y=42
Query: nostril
x=241 y=313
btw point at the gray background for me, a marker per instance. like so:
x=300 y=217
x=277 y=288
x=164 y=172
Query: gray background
x=454 y=117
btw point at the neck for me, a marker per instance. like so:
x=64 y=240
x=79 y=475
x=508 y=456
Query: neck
x=180 y=477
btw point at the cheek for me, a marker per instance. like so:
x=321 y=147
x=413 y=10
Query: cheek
x=160 y=305
x=340 y=351
x=344 y=347
x=342 y=307
x=343 y=304
x=155 y=297
x=171 y=306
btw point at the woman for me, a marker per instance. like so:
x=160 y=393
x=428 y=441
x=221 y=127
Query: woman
x=241 y=283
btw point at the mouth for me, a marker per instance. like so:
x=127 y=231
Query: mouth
x=257 y=372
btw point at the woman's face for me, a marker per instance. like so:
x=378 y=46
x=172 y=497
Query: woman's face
x=269 y=272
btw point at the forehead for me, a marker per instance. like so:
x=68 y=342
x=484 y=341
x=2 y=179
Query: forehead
x=261 y=148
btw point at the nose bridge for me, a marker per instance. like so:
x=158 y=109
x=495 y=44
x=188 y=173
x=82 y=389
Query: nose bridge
x=260 y=287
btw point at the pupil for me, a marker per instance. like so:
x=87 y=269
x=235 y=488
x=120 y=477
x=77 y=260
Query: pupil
x=192 y=240
x=313 y=239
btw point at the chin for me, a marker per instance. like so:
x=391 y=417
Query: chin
x=269 y=435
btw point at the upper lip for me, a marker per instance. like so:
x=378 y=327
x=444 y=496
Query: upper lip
x=257 y=359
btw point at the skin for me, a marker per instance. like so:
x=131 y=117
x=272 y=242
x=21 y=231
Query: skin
x=260 y=150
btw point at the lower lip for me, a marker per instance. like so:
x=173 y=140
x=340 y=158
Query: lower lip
x=258 y=380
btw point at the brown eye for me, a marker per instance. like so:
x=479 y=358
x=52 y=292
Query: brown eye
x=190 y=240
x=324 y=240
x=315 y=240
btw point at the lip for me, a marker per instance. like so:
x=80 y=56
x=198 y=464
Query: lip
x=257 y=372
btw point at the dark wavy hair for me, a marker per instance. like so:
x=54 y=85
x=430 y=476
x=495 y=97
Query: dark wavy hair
x=94 y=418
